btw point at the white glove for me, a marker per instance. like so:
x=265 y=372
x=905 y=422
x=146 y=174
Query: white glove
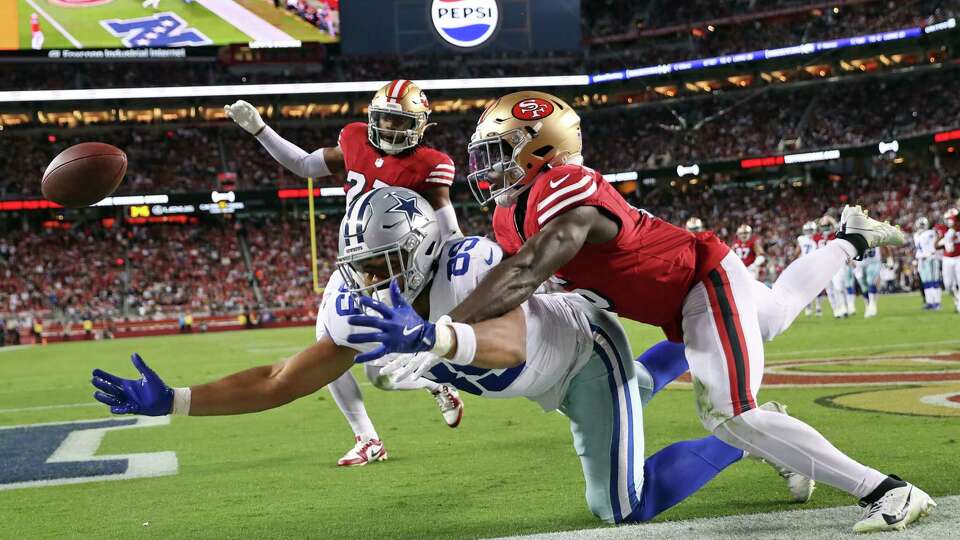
x=246 y=116
x=409 y=367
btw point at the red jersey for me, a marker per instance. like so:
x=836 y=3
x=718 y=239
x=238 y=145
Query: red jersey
x=745 y=250
x=942 y=231
x=643 y=274
x=822 y=240
x=419 y=168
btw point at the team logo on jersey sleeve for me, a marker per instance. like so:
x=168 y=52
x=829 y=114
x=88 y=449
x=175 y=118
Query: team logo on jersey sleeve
x=465 y=23
x=532 y=109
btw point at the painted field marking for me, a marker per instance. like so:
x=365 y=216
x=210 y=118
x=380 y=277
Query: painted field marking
x=53 y=22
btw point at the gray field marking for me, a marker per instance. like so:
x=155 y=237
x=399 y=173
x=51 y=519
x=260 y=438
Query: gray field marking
x=833 y=523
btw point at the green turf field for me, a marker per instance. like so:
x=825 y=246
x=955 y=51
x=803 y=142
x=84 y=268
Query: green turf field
x=83 y=24
x=508 y=469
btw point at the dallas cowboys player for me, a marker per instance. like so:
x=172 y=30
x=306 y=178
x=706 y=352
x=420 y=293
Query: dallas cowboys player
x=556 y=349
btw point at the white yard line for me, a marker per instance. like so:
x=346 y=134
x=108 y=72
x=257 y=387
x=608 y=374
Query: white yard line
x=833 y=523
x=906 y=345
x=244 y=20
x=55 y=24
x=48 y=407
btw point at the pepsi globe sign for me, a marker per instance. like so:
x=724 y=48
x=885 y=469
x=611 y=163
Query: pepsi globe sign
x=465 y=23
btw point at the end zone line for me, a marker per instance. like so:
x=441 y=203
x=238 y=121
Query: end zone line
x=55 y=24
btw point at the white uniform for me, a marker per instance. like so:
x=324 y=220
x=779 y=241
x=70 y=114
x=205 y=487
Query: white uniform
x=578 y=360
x=807 y=244
x=928 y=265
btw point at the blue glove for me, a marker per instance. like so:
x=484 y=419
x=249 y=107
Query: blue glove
x=147 y=395
x=402 y=330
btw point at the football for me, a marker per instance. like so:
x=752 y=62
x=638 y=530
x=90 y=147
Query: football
x=84 y=174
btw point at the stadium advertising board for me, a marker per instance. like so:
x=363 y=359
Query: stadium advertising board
x=160 y=24
x=430 y=26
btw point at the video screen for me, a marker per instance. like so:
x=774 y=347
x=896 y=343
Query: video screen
x=97 y=24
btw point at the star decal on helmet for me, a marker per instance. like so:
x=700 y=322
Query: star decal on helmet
x=406 y=206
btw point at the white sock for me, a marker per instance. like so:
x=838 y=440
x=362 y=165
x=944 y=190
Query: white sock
x=790 y=443
x=346 y=392
x=799 y=284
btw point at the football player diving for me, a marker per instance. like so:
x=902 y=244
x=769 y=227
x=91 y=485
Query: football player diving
x=558 y=350
x=557 y=218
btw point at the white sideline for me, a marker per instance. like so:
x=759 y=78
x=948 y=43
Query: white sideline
x=832 y=523
x=46 y=407
x=245 y=20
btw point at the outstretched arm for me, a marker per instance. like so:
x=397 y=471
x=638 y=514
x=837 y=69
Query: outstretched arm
x=511 y=282
x=323 y=162
x=267 y=387
x=252 y=390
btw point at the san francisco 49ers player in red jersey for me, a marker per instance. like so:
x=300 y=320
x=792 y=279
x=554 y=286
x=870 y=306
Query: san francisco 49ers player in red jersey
x=949 y=234
x=384 y=151
x=556 y=217
x=748 y=247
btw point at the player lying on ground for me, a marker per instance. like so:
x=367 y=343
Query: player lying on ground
x=387 y=150
x=557 y=218
x=556 y=349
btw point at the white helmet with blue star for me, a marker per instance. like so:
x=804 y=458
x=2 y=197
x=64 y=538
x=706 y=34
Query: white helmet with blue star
x=388 y=233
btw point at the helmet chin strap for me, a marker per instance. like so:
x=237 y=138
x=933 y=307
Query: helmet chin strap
x=507 y=199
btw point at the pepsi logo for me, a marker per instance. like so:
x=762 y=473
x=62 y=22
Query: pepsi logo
x=532 y=109
x=465 y=23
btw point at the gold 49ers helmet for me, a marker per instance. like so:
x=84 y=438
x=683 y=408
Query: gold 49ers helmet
x=397 y=116
x=518 y=136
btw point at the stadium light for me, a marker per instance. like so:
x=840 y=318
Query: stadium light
x=767 y=54
x=892 y=146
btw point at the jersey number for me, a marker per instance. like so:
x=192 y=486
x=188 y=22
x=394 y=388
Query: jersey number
x=358 y=183
x=459 y=261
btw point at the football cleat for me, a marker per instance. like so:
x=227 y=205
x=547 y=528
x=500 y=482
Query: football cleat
x=896 y=509
x=859 y=229
x=801 y=488
x=365 y=451
x=870 y=311
x=451 y=406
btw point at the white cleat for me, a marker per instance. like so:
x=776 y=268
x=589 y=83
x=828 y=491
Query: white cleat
x=854 y=220
x=870 y=311
x=897 y=508
x=801 y=488
x=365 y=451
x=451 y=406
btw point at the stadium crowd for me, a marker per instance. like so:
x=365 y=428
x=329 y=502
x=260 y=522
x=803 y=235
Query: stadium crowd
x=90 y=271
x=690 y=130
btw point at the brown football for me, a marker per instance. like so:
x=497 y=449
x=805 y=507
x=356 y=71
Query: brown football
x=84 y=174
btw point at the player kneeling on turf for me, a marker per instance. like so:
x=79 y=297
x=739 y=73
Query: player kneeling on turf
x=555 y=349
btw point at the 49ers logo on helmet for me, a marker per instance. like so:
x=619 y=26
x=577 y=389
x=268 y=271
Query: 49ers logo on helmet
x=532 y=109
